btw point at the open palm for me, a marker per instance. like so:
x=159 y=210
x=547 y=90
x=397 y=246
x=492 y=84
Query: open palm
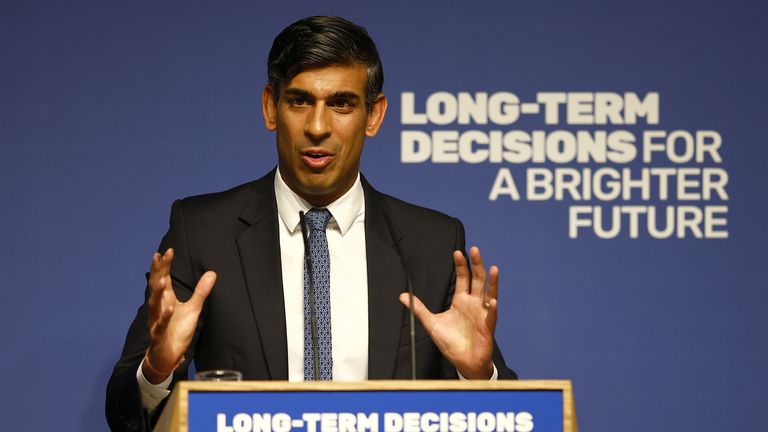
x=464 y=332
x=172 y=323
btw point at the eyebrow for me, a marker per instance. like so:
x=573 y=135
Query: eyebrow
x=346 y=95
x=343 y=94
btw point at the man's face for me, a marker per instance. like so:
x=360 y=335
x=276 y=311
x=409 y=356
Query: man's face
x=321 y=122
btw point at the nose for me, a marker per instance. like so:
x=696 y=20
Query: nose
x=318 y=125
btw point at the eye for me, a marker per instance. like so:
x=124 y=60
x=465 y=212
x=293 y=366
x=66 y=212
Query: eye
x=342 y=105
x=298 y=101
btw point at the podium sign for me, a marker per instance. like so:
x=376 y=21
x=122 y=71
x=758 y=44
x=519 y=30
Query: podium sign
x=396 y=406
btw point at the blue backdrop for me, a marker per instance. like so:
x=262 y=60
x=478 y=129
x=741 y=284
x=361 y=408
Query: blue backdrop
x=111 y=110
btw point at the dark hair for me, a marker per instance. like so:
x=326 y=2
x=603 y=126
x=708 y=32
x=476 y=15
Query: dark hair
x=321 y=41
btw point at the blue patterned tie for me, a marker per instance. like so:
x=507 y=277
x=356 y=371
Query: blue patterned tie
x=317 y=220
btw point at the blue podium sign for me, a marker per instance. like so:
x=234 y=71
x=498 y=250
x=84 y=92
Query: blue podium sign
x=386 y=406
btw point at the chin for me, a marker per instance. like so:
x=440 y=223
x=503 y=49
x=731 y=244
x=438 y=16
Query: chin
x=315 y=189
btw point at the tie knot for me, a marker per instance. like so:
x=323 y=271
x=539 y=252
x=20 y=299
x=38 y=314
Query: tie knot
x=317 y=218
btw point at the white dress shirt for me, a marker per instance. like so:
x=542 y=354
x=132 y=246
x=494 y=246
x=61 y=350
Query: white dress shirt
x=349 y=281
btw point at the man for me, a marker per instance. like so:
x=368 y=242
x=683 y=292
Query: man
x=261 y=318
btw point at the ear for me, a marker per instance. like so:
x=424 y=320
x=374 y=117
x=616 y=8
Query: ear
x=269 y=108
x=376 y=116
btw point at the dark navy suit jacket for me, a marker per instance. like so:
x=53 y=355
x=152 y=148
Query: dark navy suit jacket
x=242 y=327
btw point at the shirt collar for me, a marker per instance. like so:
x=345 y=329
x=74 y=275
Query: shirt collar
x=344 y=211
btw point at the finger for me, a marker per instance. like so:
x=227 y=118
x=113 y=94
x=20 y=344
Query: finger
x=203 y=288
x=154 y=272
x=478 y=272
x=166 y=261
x=493 y=283
x=160 y=285
x=492 y=315
x=492 y=299
x=159 y=326
x=162 y=302
x=155 y=290
x=161 y=267
x=462 y=272
x=421 y=311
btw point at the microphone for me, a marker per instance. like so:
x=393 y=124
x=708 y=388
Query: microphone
x=409 y=288
x=313 y=317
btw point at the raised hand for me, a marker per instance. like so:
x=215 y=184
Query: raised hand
x=464 y=333
x=171 y=322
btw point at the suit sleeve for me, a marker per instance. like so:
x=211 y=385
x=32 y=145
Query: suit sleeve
x=124 y=410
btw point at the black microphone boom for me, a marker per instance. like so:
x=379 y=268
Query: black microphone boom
x=409 y=288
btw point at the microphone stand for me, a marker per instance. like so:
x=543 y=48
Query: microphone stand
x=409 y=288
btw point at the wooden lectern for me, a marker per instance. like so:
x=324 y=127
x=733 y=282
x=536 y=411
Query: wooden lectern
x=404 y=406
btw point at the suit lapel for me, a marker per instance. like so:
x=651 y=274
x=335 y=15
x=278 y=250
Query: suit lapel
x=259 y=247
x=386 y=280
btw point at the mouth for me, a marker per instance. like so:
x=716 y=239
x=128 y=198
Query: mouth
x=316 y=158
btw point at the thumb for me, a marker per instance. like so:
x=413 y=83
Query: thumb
x=421 y=311
x=203 y=288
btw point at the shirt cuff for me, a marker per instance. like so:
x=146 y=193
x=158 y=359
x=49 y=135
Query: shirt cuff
x=153 y=394
x=494 y=376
